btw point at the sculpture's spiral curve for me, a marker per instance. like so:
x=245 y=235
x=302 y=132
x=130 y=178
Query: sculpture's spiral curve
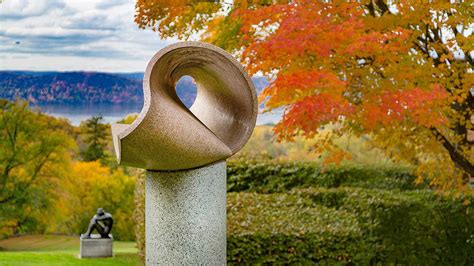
x=167 y=135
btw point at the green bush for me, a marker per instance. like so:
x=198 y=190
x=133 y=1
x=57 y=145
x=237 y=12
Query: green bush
x=411 y=227
x=268 y=177
x=350 y=225
x=289 y=229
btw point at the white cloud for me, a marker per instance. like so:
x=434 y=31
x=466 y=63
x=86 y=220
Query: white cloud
x=26 y=8
x=35 y=62
x=51 y=32
x=89 y=35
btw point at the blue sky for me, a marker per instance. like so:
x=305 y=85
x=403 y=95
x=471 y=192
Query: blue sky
x=65 y=35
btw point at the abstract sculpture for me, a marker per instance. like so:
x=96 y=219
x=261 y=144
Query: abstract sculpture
x=167 y=135
x=184 y=150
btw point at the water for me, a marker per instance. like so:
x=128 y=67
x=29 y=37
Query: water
x=79 y=112
x=112 y=113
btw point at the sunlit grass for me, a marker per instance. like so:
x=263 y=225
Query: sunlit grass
x=60 y=250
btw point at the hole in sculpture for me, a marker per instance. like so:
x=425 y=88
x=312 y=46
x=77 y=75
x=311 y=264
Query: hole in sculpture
x=186 y=90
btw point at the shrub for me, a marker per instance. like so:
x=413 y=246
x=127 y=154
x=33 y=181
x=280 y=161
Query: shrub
x=350 y=225
x=411 y=227
x=269 y=177
x=287 y=228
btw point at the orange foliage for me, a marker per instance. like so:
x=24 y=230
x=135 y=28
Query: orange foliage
x=398 y=72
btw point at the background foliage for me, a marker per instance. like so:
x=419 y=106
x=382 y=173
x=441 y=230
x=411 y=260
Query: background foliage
x=90 y=186
x=34 y=154
x=46 y=188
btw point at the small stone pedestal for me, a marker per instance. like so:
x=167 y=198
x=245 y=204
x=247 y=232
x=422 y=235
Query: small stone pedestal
x=96 y=247
x=186 y=216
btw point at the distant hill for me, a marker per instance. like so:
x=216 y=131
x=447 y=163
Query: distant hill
x=69 y=87
x=87 y=87
x=134 y=75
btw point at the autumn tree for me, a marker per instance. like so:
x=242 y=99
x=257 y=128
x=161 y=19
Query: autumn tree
x=34 y=155
x=95 y=135
x=88 y=186
x=399 y=72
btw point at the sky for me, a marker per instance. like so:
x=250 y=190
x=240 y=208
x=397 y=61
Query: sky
x=69 y=35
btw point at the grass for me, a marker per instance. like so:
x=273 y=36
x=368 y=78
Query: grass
x=59 y=250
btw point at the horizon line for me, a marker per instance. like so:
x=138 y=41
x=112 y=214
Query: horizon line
x=70 y=71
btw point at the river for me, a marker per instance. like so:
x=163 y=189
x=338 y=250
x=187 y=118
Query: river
x=111 y=113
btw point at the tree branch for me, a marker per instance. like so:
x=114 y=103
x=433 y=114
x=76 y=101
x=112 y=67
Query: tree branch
x=459 y=160
x=7 y=199
x=382 y=6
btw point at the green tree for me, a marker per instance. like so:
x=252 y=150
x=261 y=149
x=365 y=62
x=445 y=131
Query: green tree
x=88 y=186
x=96 y=135
x=34 y=155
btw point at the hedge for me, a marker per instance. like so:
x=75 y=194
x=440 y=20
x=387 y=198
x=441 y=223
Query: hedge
x=289 y=229
x=350 y=225
x=410 y=227
x=270 y=177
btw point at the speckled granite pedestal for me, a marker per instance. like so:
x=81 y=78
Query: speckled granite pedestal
x=186 y=216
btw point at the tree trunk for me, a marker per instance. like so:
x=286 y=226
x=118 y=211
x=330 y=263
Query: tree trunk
x=459 y=160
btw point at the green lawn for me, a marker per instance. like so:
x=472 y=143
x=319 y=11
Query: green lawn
x=59 y=250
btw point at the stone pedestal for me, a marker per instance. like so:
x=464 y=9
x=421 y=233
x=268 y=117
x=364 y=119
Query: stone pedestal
x=186 y=216
x=96 y=247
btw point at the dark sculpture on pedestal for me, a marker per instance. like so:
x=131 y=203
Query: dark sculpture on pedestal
x=102 y=222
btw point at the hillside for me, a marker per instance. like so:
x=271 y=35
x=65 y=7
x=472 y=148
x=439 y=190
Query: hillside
x=69 y=87
x=86 y=87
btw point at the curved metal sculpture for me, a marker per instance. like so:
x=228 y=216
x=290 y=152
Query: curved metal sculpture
x=167 y=135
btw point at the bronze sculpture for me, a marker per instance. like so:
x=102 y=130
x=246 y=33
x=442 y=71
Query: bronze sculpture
x=167 y=135
x=102 y=222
